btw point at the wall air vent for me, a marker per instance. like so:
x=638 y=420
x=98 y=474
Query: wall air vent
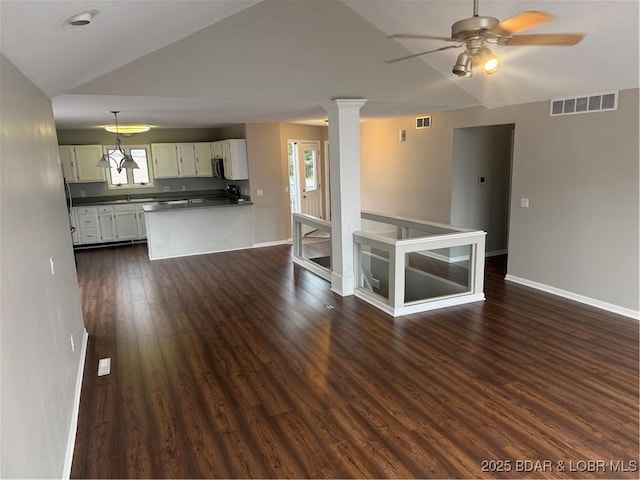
x=423 y=122
x=584 y=104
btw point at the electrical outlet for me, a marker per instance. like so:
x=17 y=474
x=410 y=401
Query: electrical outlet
x=104 y=367
x=166 y=188
x=259 y=193
x=184 y=187
x=82 y=194
x=524 y=203
x=73 y=347
x=53 y=270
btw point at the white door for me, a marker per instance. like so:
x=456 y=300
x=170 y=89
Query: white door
x=309 y=177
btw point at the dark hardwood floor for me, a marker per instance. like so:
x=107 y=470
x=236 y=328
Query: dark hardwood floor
x=241 y=365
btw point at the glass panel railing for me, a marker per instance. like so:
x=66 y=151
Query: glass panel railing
x=374 y=270
x=424 y=265
x=316 y=246
x=312 y=244
x=431 y=274
x=402 y=265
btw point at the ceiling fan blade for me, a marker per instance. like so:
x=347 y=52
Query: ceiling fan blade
x=422 y=53
x=422 y=37
x=551 y=39
x=521 y=22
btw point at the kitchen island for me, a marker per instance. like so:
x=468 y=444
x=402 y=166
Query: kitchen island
x=182 y=228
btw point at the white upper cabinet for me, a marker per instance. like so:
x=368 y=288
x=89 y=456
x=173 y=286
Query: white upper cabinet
x=234 y=155
x=203 y=159
x=165 y=160
x=175 y=160
x=186 y=160
x=216 y=149
x=79 y=163
x=68 y=162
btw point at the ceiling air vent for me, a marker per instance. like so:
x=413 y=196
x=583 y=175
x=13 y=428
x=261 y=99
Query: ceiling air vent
x=423 y=122
x=584 y=104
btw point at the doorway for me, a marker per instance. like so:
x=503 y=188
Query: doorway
x=481 y=182
x=305 y=177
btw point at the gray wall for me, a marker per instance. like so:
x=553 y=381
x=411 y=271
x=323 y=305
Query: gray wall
x=268 y=171
x=265 y=173
x=40 y=311
x=580 y=173
x=482 y=152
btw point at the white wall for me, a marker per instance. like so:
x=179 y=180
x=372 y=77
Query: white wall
x=580 y=173
x=40 y=311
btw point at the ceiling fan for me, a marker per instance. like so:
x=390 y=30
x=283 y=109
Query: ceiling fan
x=476 y=32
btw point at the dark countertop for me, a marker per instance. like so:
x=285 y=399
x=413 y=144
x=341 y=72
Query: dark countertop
x=181 y=205
x=206 y=196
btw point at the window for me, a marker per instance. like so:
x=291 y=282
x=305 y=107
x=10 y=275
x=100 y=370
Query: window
x=135 y=178
x=310 y=177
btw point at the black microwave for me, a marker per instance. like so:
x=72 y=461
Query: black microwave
x=217 y=165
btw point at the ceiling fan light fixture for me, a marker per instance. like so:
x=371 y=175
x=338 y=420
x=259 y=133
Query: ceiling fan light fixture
x=463 y=65
x=490 y=63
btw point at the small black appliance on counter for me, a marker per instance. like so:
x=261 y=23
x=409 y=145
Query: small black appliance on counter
x=233 y=192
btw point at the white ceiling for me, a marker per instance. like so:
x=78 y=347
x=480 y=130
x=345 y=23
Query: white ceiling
x=204 y=63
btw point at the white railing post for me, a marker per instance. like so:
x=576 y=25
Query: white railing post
x=297 y=237
x=478 y=265
x=396 y=278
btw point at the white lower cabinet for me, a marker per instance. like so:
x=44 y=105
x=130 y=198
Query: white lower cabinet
x=73 y=223
x=141 y=221
x=125 y=222
x=88 y=225
x=107 y=224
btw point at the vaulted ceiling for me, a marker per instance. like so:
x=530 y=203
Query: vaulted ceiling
x=206 y=63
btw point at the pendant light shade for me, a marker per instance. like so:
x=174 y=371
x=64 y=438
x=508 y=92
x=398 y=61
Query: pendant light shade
x=126 y=161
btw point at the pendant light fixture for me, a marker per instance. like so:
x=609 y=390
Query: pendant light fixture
x=125 y=162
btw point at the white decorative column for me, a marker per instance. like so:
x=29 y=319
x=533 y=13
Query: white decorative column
x=344 y=157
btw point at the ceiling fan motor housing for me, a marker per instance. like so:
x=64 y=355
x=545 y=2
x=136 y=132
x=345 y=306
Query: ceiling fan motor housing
x=472 y=27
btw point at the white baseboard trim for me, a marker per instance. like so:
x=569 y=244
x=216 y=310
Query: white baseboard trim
x=627 y=312
x=71 y=443
x=273 y=244
x=495 y=253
